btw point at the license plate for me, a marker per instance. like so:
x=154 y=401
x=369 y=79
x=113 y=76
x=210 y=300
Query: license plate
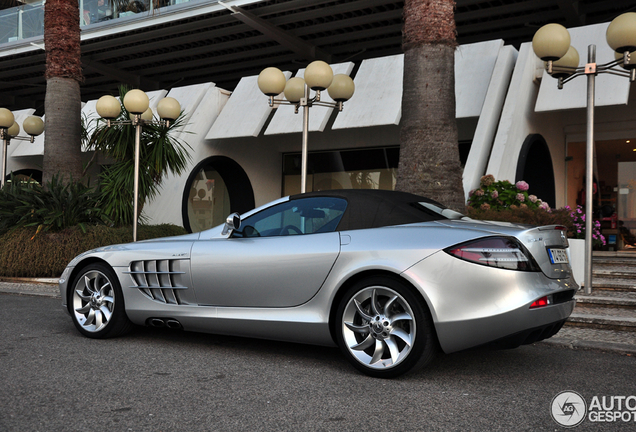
x=558 y=256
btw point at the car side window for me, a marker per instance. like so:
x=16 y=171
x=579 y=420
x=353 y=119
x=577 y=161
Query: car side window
x=301 y=216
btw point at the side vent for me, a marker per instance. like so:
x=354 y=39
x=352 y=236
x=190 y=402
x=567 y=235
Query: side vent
x=159 y=280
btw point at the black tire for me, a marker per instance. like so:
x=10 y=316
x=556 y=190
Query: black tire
x=96 y=303
x=394 y=337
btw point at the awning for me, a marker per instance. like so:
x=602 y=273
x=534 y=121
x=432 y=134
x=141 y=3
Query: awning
x=245 y=112
x=378 y=96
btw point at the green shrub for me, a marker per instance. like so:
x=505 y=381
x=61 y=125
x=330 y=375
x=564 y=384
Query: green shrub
x=25 y=254
x=501 y=195
x=56 y=207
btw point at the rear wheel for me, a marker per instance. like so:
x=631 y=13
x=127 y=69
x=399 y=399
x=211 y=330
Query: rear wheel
x=384 y=329
x=96 y=303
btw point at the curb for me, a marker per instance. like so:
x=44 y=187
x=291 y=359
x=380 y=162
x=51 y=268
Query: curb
x=47 y=281
x=592 y=345
x=30 y=293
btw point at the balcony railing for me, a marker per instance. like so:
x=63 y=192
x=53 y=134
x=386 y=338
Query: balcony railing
x=27 y=21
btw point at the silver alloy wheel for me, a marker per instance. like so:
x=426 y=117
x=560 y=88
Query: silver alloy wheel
x=93 y=301
x=378 y=327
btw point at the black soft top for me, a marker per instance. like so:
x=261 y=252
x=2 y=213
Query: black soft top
x=371 y=208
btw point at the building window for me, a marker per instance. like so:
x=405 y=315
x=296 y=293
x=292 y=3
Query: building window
x=374 y=168
x=208 y=200
x=216 y=187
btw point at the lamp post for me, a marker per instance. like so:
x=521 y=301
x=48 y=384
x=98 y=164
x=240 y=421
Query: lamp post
x=9 y=130
x=551 y=43
x=137 y=104
x=318 y=77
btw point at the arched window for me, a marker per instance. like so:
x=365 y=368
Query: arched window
x=216 y=187
x=25 y=174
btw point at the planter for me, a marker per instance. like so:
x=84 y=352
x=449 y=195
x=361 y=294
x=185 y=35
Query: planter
x=577 y=259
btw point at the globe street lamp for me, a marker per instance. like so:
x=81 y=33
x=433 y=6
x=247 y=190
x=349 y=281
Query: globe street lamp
x=137 y=104
x=551 y=43
x=318 y=77
x=9 y=130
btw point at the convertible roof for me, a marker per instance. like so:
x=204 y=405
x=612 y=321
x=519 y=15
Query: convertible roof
x=371 y=208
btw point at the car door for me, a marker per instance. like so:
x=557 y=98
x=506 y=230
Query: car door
x=280 y=257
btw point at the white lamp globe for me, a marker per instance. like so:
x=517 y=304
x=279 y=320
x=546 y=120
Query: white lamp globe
x=564 y=67
x=169 y=108
x=318 y=75
x=33 y=125
x=136 y=101
x=6 y=118
x=14 y=130
x=147 y=115
x=621 y=33
x=295 y=89
x=271 y=81
x=551 y=42
x=108 y=107
x=341 y=88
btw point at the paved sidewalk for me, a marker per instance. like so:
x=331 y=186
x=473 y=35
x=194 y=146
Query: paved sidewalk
x=38 y=287
x=572 y=337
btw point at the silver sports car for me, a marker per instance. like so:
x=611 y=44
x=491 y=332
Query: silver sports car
x=389 y=277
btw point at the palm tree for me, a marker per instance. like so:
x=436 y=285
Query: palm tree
x=429 y=158
x=161 y=153
x=62 y=104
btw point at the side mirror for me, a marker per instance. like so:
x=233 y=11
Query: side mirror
x=232 y=223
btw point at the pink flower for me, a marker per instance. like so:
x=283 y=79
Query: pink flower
x=494 y=194
x=532 y=198
x=487 y=180
x=471 y=193
x=545 y=206
x=522 y=186
x=520 y=197
x=479 y=192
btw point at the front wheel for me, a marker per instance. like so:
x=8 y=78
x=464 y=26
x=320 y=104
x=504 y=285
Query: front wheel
x=96 y=303
x=384 y=329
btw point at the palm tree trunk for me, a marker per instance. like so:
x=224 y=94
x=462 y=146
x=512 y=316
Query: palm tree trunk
x=429 y=157
x=62 y=105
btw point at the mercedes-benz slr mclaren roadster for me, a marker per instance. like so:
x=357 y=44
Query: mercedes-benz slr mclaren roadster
x=389 y=277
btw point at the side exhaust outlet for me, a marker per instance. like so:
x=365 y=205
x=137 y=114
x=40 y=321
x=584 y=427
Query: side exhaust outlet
x=174 y=324
x=156 y=322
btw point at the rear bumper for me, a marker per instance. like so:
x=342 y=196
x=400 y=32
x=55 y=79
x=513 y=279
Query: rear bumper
x=520 y=326
x=527 y=337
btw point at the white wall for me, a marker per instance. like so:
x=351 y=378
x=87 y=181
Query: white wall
x=518 y=120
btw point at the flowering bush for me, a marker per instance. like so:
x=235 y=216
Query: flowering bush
x=501 y=195
x=578 y=231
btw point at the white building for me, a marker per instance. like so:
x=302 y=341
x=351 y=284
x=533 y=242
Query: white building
x=513 y=123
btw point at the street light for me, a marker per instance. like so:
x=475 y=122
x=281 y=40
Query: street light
x=551 y=43
x=9 y=130
x=318 y=77
x=137 y=104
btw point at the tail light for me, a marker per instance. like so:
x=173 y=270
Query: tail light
x=542 y=302
x=500 y=252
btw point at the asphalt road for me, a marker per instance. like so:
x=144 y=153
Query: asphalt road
x=53 y=379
